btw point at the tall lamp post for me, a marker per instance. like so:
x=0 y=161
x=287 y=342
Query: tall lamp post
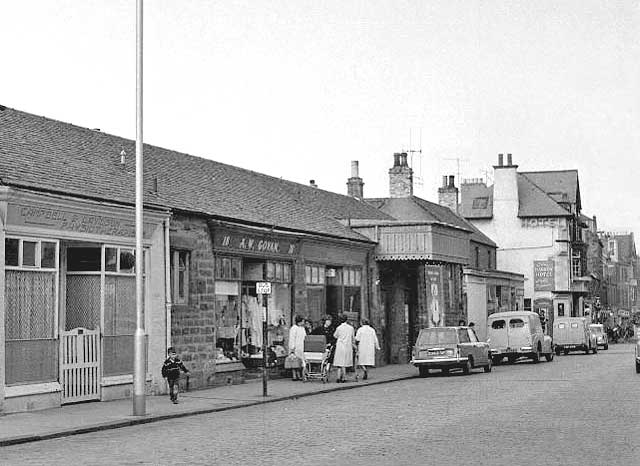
x=139 y=363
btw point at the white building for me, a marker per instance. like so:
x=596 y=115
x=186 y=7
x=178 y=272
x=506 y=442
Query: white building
x=534 y=219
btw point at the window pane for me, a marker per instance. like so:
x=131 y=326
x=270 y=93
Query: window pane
x=127 y=260
x=29 y=253
x=181 y=278
x=321 y=275
x=111 y=259
x=270 y=271
x=279 y=276
x=48 y=253
x=83 y=259
x=307 y=274
x=314 y=275
x=287 y=273
x=236 y=268
x=11 y=251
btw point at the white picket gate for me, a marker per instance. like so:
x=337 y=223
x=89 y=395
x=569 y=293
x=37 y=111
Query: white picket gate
x=80 y=365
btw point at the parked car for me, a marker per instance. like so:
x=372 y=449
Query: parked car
x=638 y=357
x=517 y=334
x=601 y=336
x=572 y=334
x=449 y=348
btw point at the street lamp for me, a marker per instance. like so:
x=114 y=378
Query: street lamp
x=139 y=363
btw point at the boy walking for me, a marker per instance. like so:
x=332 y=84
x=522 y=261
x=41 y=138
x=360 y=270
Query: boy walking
x=171 y=371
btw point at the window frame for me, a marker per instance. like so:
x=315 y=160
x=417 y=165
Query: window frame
x=38 y=268
x=176 y=269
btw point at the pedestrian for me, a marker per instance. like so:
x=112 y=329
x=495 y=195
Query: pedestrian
x=297 y=333
x=171 y=371
x=327 y=329
x=345 y=346
x=367 y=342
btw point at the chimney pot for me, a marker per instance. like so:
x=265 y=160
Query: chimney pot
x=509 y=160
x=500 y=160
x=444 y=181
x=452 y=181
x=354 y=169
x=313 y=183
x=396 y=159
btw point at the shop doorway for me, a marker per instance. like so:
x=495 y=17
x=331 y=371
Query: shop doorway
x=80 y=360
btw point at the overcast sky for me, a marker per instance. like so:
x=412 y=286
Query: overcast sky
x=297 y=89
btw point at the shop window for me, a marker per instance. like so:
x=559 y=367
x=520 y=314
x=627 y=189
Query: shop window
x=228 y=268
x=29 y=253
x=85 y=259
x=278 y=272
x=560 y=309
x=527 y=304
x=31 y=278
x=180 y=261
x=315 y=274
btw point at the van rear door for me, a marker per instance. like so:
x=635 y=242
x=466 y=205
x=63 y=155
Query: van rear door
x=519 y=334
x=561 y=333
x=498 y=336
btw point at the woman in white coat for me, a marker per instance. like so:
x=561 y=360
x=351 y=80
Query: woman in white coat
x=367 y=342
x=296 y=345
x=343 y=356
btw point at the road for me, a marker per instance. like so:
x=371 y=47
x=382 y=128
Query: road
x=577 y=410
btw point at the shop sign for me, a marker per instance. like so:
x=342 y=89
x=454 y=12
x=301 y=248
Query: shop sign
x=263 y=287
x=226 y=240
x=540 y=222
x=435 y=298
x=67 y=220
x=543 y=276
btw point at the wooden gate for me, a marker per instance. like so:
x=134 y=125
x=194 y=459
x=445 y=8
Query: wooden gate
x=80 y=365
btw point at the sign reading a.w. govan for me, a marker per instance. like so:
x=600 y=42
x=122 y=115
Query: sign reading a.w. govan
x=543 y=276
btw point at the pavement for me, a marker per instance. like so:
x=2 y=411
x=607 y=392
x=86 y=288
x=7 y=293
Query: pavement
x=17 y=428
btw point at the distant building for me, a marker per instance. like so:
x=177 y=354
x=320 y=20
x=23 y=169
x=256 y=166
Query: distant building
x=535 y=219
x=620 y=274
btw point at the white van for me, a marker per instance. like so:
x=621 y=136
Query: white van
x=517 y=334
x=572 y=334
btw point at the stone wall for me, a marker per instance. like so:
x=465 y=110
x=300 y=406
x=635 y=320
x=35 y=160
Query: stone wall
x=192 y=324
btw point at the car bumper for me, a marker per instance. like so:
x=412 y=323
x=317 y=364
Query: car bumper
x=510 y=352
x=440 y=362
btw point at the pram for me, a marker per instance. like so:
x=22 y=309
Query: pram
x=316 y=356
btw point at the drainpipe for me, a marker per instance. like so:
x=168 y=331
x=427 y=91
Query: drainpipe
x=167 y=281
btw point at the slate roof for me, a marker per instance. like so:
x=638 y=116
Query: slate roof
x=414 y=208
x=561 y=185
x=533 y=200
x=45 y=154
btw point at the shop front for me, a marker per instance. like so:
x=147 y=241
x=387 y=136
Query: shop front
x=69 y=298
x=244 y=257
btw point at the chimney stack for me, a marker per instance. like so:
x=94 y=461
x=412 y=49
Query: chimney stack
x=400 y=177
x=448 y=194
x=355 y=185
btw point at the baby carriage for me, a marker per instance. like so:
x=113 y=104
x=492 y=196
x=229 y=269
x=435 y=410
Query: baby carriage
x=316 y=355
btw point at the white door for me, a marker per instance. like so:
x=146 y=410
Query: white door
x=80 y=365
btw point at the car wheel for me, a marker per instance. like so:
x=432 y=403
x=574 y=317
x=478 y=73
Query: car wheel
x=549 y=356
x=536 y=356
x=637 y=367
x=468 y=366
x=606 y=347
x=424 y=371
x=586 y=350
x=487 y=368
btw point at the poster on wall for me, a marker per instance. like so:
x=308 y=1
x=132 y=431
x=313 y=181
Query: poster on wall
x=543 y=276
x=435 y=301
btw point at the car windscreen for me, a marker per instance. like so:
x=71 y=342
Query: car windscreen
x=437 y=336
x=596 y=329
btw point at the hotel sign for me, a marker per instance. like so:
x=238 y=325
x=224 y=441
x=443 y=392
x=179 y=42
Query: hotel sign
x=543 y=276
x=540 y=222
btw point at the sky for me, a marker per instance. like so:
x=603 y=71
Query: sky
x=299 y=88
